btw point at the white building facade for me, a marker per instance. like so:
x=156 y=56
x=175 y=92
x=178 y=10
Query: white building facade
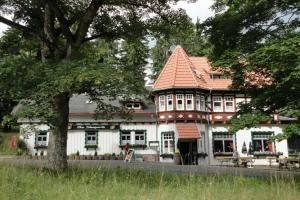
x=190 y=116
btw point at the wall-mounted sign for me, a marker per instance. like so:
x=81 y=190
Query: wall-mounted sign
x=92 y=126
x=153 y=143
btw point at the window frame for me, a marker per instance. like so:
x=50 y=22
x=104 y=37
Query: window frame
x=170 y=149
x=128 y=134
x=131 y=137
x=262 y=136
x=91 y=142
x=171 y=106
x=187 y=98
x=44 y=138
x=182 y=100
x=139 y=133
x=226 y=101
x=223 y=137
x=162 y=99
x=202 y=103
x=219 y=101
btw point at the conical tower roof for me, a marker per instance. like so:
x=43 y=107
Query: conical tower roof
x=178 y=72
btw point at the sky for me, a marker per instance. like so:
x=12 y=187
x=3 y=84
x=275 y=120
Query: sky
x=200 y=9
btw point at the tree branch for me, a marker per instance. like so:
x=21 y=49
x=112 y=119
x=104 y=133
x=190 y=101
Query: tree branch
x=108 y=35
x=17 y=26
x=65 y=24
x=86 y=21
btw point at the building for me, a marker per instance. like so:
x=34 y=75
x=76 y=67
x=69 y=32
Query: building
x=191 y=112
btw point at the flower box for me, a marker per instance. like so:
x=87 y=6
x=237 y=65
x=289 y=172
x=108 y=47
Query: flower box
x=266 y=153
x=167 y=155
x=41 y=146
x=91 y=146
x=133 y=146
x=223 y=154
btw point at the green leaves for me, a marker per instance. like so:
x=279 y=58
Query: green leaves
x=260 y=38
x=247 y=120
x=289 y=131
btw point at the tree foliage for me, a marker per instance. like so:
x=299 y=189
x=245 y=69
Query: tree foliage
x=259 y=42
x=189 y=36
x=61 y=28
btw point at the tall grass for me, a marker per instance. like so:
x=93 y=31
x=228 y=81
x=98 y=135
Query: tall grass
x=29 y=183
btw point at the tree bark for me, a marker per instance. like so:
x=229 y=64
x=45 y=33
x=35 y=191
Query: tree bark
x=57 y=151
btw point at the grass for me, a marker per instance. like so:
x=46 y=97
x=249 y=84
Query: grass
x=4 y=146
x=29 y=183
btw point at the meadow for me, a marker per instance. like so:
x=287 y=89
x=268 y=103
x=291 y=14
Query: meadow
x=25 y=182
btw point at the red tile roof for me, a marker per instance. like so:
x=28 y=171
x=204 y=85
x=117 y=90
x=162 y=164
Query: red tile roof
x=187 y=131
x=182 y=71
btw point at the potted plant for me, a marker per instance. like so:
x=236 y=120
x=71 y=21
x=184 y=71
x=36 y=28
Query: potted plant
x=177 y=157
x=96 y=155
x=77 y=155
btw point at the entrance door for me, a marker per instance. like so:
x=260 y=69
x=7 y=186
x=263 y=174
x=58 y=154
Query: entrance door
x=188 y=152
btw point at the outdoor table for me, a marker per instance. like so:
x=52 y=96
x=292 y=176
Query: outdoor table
x=245 y=160
x=286 y=161
x=224 y=160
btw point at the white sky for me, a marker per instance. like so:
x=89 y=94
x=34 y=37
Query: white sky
x=200 y=9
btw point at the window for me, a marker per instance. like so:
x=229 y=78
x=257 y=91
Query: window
x=140 y=137
x=261 y=141
x=294 y=145
x=217 y=104
x=197 y=102
x=179 y=101
x=189 y=102
x=229 y=104
x=202 y=103
x=162 y=103
x=125 y=137
x=41 y=139
x=135 y=106
x=168 y=142
x=91 y=138
x=170 y=102
x=223 y=143
x=219 y=77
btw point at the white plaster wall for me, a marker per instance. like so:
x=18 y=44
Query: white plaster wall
x=108 y=142
x=150 y=128
x=245 y=136
x=28 y=132
x=152 y=135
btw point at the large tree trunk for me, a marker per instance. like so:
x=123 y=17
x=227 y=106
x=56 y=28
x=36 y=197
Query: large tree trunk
x=57 y=152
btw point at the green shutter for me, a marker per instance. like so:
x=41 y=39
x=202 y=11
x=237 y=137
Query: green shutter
x=97 y=137
x=145 y=137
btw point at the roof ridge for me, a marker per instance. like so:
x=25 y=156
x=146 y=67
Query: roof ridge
x=176 y=53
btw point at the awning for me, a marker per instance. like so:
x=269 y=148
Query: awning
x=187 y=131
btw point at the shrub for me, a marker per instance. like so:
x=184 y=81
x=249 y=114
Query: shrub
x=21 y=147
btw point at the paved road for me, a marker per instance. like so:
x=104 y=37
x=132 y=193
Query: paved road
x=163 y=167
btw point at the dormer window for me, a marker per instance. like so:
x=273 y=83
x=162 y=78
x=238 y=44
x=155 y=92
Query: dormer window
x=162 y=103
x=219 y=77
x=133 y=106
